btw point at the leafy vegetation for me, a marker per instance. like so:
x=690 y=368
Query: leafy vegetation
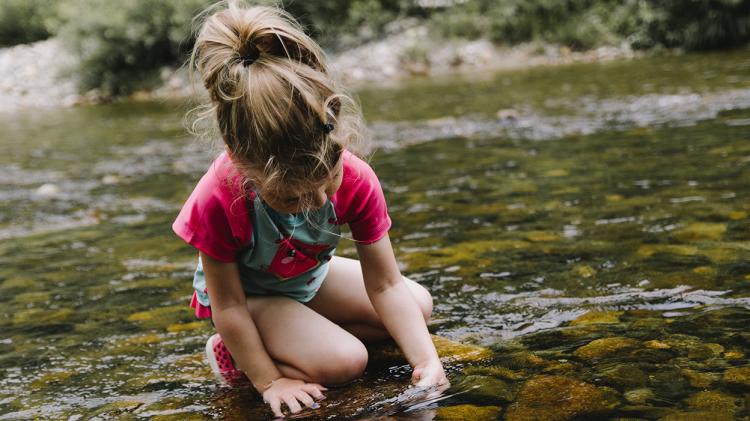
x=122 y=44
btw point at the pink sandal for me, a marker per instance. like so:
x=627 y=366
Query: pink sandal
x=221 y=361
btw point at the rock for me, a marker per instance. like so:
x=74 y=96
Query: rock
x=699 y=379
x=583 y=271
x=557 y=398
x=649 y=250
x=542 y=236
x=737 y=215
x=698 y=416
x=639 y=395
x=602 y=347
x=495 y=371
x=48 y=190
x=700 y=231
x=738 y=376
x=654 y=344
x=625 y=376
x=489 y=389
x=508 y=114
x=713 y=400
x=467 y=412
x=597 y=317
x=705 y=351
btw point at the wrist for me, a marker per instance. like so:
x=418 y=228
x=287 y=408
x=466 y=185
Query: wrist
x=262 y=387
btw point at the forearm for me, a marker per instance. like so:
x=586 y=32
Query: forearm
x=401 y=316
x=241 y=337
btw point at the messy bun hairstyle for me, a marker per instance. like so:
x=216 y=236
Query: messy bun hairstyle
x=283 y=119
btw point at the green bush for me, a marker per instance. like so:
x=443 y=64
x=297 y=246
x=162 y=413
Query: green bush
x=23 y=21
x=581 y=24
x=122 y=44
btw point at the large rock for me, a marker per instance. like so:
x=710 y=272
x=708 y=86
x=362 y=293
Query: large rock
x=738 y=376
x=603 y=347
x=467 y=412
x=557 y=398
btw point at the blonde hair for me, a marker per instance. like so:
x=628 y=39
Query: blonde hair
x=283 y=119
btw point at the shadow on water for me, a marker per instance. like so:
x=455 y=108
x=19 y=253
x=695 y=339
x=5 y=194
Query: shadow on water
x=590 y=251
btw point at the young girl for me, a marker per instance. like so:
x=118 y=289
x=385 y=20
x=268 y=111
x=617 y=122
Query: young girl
x=266 y=215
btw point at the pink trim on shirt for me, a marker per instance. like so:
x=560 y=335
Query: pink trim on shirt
x=215 y=218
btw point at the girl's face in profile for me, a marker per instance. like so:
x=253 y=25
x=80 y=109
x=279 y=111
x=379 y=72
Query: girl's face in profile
x=289 y=199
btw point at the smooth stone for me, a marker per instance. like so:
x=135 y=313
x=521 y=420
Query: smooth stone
x=602 y=347
x=542 y=236
x=48 y=190
x=669 y=382
x=583 y=271
x=625 y=376
x=181 y=327
x=654 y=344
x=639 y=395
x=495 y=371
x=649 y=250
x=738 y=376
x=713 y=400
x=597 y=317
x=467 y=412
x=699 y=379
x=557 y=398
x=488 y=388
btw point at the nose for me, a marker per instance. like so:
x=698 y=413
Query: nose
x=319 y=198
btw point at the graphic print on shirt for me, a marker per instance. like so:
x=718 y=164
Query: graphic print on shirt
x=294 y=257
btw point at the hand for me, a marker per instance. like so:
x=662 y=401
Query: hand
x=430 y=374
x=292 y=393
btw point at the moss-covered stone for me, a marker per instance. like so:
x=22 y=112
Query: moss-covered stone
x=698 y=416
x=467 y=412
x=489 y=389
x=603 y=347
x=700 y=231
x=624 y=376
x=542 y=236
x=705 y=351
x=597 y=317
x=39 y=316
x=495 y=371
x=699 y=379
x=713 y=400
x=738 y=376
x=649 y=250
x=654 y=344
x=556 y=398
x=181 y=327
x=583 y=271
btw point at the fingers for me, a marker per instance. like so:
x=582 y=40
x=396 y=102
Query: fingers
x=315 y=390
x=306 y=399
x=276 y=408
x=292 y=404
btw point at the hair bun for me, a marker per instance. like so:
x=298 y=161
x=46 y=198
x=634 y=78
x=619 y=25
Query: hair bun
x=249 y=54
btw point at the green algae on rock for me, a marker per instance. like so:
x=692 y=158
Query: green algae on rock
x=468 y=412
x=597 y=317
x=700 y=231
x=599 y=348
x=713 y=400
x=738 y=376
x=557 y=398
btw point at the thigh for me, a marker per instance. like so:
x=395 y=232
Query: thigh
x=295 y=335
x=343 y=299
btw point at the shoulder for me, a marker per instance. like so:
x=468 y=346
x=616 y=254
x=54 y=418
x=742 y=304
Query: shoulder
x=216 y=211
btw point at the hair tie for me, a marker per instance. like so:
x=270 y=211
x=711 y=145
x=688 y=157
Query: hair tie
x=250 y=55
x=328 y=127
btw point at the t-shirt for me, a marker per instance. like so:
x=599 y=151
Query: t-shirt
x=215 y=219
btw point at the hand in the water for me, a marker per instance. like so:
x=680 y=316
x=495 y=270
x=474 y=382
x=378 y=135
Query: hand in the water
x=430 y=374
x=292 y=393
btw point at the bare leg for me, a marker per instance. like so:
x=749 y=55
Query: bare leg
x=306 y=345
x=343 y=300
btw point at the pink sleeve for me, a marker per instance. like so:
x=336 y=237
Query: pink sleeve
x=214 y=219
x=360 y=201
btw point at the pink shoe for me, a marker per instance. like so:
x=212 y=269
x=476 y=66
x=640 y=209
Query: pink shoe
x=221 y=362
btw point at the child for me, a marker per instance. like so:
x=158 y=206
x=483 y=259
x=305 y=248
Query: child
x=265 y=218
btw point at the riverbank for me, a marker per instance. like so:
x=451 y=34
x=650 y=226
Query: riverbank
x=42 y=75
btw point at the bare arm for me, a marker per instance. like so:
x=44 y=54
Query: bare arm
x=399 y=312
x=236 y=327
x=234 y=324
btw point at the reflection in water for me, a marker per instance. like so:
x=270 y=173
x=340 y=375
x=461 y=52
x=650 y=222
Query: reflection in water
x=606 y=271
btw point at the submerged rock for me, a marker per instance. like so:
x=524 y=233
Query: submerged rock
x=602 y=347
x=487 y=388
x=556 y=398
x=467 y=412
x=597 y=317
x=699 y=379
x=698 y=416
x=639 y=395
x=713 y=400
x=700 y=231
x=738 y=376
x=625 y=376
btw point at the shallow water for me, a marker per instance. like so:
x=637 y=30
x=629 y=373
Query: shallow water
x=596 y=239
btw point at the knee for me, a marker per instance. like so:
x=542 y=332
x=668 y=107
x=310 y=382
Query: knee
x=423 y=299
x=346 y=363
